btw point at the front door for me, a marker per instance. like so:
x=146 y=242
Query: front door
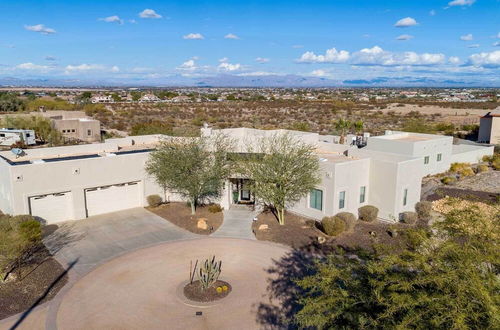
x=245 y=192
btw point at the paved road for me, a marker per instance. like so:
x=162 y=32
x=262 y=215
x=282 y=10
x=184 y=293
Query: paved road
x=237 y=223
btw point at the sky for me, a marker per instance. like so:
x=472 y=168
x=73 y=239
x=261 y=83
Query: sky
x=344 y=41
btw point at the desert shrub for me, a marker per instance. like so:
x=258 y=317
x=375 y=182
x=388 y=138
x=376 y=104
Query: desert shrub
x=496 y=163
x=464 y=169
x=482 y=168
x=487 y=158
x=448 y=179
x=333 y=226
x=423 y=209
x=214 y=208
x=349 y=220
x=154 y=200
x=368 y=213
x=409 y=217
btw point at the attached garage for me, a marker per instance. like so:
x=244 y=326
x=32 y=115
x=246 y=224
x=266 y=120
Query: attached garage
x=52 y=207
x=113 y=198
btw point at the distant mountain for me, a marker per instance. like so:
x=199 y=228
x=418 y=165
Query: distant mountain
x=228 y=80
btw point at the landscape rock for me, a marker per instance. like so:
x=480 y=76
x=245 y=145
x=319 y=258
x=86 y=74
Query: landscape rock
x=202 y=224
x=263 y=227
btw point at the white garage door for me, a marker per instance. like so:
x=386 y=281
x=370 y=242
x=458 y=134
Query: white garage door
x=53 y=207
x=113 y=198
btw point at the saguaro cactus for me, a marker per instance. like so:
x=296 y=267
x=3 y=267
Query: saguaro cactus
x=209 y=273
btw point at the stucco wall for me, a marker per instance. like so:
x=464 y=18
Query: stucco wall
x=5 y=187
x=463 y=153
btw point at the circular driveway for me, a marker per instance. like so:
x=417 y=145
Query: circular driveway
x=140 y=290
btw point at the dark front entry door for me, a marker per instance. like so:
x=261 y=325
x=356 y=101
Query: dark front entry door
x=245 y=192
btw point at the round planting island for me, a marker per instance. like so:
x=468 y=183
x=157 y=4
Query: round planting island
x=147 y=289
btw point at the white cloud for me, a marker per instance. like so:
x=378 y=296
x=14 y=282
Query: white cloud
x=262 y=60
x=50 y=58
x=224 y=66
x=331 y=56
x=40 y=28
x=461 y=3
x=454 y=60
x=32 y=66
x=378 y=56
x=149 y=13
x=189 y=65
x=467 y=37
x=224 y=59
x=404 y=37
x=320 y=73
x=432 y=13
x=496 y=44
x=256 y=74
x=194 y=36
x=486 y=60
x=231 y=36
x=406 y=22
x=83 y=68
x=473 y=46
x=112 y=19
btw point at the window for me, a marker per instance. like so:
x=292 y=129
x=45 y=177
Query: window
x=341 y=199
x=362 y=194
x=27 y=134
x=316 y=199
x=89 y=132
x=426 y=160
x=439 y=157
x=72 y=131
x=405 y=197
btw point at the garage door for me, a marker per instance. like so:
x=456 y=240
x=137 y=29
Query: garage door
x=52 y=207
x=113 y=198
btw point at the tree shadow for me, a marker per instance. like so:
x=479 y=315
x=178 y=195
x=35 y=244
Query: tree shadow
x=283 y=290
x=57 y=237
x=43 y=296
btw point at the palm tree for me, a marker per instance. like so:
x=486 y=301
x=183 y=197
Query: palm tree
x=358 y=126
x=342 y=126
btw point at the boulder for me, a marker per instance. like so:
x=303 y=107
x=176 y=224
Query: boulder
x=202 y=224
x=263 y=227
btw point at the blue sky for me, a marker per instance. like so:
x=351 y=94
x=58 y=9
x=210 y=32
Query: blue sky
x=156 y=41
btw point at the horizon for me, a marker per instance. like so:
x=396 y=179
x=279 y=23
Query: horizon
x=251 y=44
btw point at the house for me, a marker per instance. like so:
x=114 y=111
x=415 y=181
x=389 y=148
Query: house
x=149 y=98
x=10 y=136
x=85 y=180
x=489 y=127
x=74 y=125
x=102 y=99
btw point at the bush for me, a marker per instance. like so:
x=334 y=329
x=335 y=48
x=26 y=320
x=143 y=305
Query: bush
x=448 y=180
x=464 y=169
x=423 y=209
x=349 y=220
x=482 y=168
x=154 y=200
x=368 y=213
x=409 y=217
x=214 y=208
x=496 y=163
x=333 y=226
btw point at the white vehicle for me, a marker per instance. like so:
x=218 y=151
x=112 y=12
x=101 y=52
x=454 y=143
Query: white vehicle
x=9 y=136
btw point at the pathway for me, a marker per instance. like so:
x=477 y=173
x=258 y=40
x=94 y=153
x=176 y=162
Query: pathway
x=237 y=223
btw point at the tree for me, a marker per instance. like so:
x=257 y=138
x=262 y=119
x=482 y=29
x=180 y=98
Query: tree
x=447 y=278
x=10 y=103
x=283 y=170
x=42 y=127
x=195 y=168
x=358 y=126
x=342 y=126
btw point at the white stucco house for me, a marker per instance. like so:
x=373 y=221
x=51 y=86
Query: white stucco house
x=76 y=182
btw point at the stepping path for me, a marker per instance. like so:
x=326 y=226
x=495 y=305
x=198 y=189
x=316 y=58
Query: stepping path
x=237 y=223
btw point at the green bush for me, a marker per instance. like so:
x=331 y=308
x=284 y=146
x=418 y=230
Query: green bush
x=423 y=209
x=154 y=200
x=333 y=226
x=349 y=220
x=214 y=208
x=368 y=213
x=448 y=180
x=482 y=168
x=409 y=217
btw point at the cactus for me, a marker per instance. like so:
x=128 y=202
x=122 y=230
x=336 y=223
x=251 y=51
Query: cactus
x=209 y=273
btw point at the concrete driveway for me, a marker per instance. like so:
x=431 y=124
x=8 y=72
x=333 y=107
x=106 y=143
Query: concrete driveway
x=93 y=241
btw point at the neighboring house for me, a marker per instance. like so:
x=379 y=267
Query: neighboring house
x=489 y=127
x=85 y=180
x=102 y=99
x=9 y=136
x=74 y=125
x=149 y=98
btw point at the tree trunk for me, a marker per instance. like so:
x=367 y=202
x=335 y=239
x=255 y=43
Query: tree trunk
x=281 y=215
x=193 y=206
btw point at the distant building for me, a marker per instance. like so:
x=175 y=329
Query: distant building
x=149 y=98
x=10 y=136
x=102 y=99
x=74 y=125
x=489 y=127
